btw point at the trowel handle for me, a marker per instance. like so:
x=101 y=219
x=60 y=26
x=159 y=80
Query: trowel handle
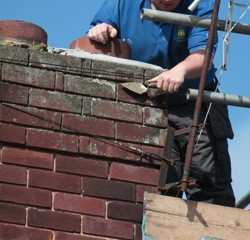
x=152 y=85
x=153 y=91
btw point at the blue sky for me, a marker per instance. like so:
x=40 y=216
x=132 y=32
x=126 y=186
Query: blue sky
x=66 y=20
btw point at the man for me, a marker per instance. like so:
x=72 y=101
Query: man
x=180 y=49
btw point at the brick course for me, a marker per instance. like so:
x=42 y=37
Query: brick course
x=71 y=144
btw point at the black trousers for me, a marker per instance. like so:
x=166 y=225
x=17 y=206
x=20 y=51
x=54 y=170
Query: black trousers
x=211 y=165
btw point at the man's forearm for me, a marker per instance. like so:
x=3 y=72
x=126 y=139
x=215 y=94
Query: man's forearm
x=192 y=65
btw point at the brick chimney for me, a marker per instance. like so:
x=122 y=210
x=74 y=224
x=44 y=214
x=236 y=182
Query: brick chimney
x=71 y=138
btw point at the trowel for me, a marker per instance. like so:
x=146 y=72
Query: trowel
x=140 y=89
x=191 y=95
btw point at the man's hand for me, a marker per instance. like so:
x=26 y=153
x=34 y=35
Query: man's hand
x=168 y=81
x=102 y=32
x=190 y=68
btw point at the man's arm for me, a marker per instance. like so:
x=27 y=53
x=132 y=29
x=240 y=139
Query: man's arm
x=190 y=68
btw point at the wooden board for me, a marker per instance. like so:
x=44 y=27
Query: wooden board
x=168 y=218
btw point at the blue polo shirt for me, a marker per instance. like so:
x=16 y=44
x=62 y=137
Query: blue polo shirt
x=160 y=44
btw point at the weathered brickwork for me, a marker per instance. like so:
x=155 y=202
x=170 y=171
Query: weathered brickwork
x=73 y=144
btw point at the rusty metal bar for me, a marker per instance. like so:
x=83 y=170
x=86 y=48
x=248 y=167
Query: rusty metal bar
x=195 y=122
x=220 y=98
x=167 y=154
x=192 y=21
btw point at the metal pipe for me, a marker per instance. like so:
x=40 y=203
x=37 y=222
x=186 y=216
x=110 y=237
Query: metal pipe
x=193 y=5
x=195 y=122
x=244 y=202
x=192 y=21
x=220 y=98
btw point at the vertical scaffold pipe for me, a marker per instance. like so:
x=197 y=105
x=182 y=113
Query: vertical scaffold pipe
x=195 y=122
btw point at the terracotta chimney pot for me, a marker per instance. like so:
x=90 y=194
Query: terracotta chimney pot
x=21 y=33
x=114 y=47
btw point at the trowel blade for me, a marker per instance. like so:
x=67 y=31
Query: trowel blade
x=135 y=87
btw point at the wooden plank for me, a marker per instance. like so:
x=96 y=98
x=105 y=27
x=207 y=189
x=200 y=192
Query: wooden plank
x=169 y=218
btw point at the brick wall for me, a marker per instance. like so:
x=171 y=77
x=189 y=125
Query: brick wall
x=70 y=138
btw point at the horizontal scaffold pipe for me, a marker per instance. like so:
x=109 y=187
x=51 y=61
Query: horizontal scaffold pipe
x=190 y=20
x=220 y=98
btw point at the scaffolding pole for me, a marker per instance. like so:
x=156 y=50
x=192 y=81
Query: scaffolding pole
x=198 y=104
x=220 y=98
x=244 y=202
x=192 y=21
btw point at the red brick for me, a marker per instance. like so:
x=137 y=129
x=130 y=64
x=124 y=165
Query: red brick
x=55 y=100
x=14 y=54
x=12 y=213
x=54 y=220
x=154 y=155
x=155 y=117
x=52 y=140
x=108 y=189
x=138 y=232
x=11 y=232
x=24 y=195
x=116 y=71
x=13 y=93
x=112 y=149
x=12 y=134
x=88 y=125
x=81 y=166
x=13 y=174
x=135 y=174
x=84 y=144
x=117 y=110
x=27 y=157
x=125 y=95
x=30 y=116
x=141 y=134
x=125 y=211
x=54 y=181
x=56 y=62
x=90 y=86
x=141 y=189
x=108 y=228
x=79 y=204
x=28 y=76
x=69 y=236
x=152 y=72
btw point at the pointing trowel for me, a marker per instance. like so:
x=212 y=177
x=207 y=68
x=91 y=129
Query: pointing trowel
x=139 y=88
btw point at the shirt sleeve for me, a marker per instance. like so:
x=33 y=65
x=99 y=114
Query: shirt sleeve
x=198 y=36
x=108 y=13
